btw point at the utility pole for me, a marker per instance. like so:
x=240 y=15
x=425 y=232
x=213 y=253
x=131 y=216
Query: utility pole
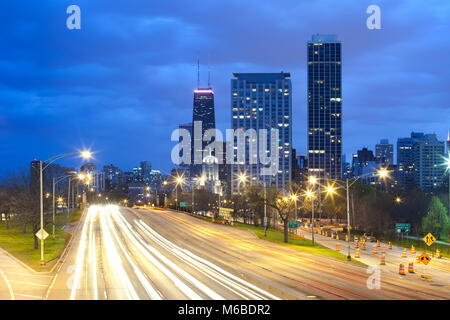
x=42 y=212
x=348 y=223
x=53 y=233
x=266 y=223
x=312 y=217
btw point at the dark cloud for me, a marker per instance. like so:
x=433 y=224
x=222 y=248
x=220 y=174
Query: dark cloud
x=124 y=81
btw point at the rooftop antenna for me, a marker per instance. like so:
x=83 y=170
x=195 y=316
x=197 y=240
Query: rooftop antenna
x=198 y=73
x=209 y=74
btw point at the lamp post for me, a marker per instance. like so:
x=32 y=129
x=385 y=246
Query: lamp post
x=84 y=154
x=313 y=181
x=382 y=173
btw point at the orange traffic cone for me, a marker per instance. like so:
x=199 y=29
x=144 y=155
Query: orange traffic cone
x=346 y=238
x=411 y=267
x=383 y=260
x=375 y=249
x=401 y=269
x=337 y=246
x=378 y=243
x=383 y=249
x=390 y=246
x=357 y=253
x=413 y=250
x=438 y=254
x=404 y=253
x=363 y=246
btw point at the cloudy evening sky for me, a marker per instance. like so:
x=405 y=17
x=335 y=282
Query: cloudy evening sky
x=122 y=83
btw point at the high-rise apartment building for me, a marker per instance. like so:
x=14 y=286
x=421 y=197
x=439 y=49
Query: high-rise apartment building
x=405 y=159
x=324 y=107
x=429 y=162
x=262 y=101
x=385 y=152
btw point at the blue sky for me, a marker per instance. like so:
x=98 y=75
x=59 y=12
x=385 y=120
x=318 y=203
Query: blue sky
x=122 y=83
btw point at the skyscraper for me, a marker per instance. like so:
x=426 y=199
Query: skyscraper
x=405 y=159
x=385 y=152
x=263 y=101
x=204 y=114
x=324 y=107
x=428 y=162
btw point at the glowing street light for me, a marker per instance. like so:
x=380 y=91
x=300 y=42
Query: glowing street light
x=398 y=200
x=85 y=154
x=312 y=180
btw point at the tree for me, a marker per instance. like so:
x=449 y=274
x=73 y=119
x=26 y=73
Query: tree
x=436 y=221
x=283 y=205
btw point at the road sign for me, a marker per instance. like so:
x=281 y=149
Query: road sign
x=403 y=227
x=292 y=224
x=429 y=239
x=41 y=234
x=183 y=204
x=424 y=258
x=225 y=212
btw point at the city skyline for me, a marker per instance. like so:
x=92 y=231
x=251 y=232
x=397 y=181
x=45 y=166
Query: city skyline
x=400 y=95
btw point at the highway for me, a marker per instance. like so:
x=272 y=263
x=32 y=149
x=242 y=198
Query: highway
x=121 y=253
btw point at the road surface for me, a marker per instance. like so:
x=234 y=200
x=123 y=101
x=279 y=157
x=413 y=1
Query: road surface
x=121 y=253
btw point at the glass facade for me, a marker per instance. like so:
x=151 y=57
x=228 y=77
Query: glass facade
x=204 y=112
x=263 y=101
x=324 y=107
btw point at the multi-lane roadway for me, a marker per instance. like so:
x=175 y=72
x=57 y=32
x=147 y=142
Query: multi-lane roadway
x=121 y=253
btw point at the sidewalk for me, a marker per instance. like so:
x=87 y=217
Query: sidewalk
x=19 y=282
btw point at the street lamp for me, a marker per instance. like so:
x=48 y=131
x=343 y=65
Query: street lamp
x=294 y=198
x=313 y=181
x=86 y=154
x=242 y=178
x=383 y=174
x=178 y=181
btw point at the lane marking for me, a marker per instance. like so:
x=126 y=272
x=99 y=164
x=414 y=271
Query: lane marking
x=29 y=296
x=11 y=293
x=29 y=283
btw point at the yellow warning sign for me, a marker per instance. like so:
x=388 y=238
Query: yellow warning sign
x=424 y=258
x=429 y=239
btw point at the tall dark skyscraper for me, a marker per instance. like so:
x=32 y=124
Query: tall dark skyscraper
x=204 y=112
x=324 y=107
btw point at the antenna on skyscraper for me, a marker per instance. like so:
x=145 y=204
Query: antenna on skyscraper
x=209 y=74
x=198 y=73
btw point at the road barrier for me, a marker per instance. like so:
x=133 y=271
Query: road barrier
x=383 y=260
x=375 y=249
x=404 y=253
x=337 y=246
x=390 y=246
x=413 y=250
x=401 y=269
x=363 y=246
x=357 y=253
x=383 y=249
x=378 y=243
x=411 y=267
x=356 y=244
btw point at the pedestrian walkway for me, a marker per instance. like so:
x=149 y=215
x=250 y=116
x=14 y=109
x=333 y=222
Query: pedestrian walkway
x=19 y=282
